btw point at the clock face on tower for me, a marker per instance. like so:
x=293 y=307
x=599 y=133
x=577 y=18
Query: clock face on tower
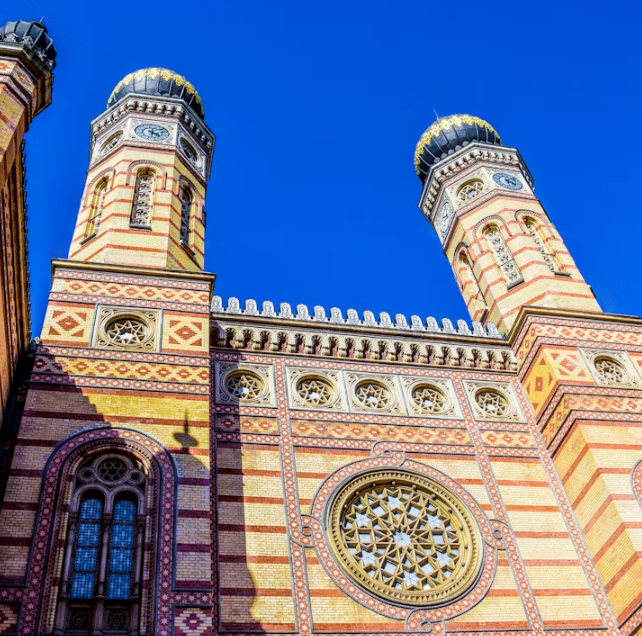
x=152 y=132
x=507 y=181
x=445 y=216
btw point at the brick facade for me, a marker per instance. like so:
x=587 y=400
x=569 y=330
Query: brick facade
x=242 y=460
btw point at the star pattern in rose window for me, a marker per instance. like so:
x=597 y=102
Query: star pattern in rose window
x=429 y=399
x=244 y=385
x=401 y=537
x=127 y=332
x=373 y=396
x=315 y=391
x=492 y=402
x=610 y=371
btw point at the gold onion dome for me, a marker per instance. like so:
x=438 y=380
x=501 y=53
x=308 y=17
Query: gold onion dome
x=159 y=82
x=446 y=135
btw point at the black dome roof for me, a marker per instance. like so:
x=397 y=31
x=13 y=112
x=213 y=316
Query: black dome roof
x=448 y=134
x=31 y=34
x=160 y=82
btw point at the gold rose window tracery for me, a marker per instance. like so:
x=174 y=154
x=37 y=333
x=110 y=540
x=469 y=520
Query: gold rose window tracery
x=405 y=537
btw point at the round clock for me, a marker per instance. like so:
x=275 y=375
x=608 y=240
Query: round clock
x=445 y=216
x=507 y=181
x=152 y=132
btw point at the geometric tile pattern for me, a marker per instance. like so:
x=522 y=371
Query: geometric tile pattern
x=121 y=369
x=184 y=333
x=518 y=439
x=68 y=325
x=246 y=424
x=9 y=618
x=192 y=621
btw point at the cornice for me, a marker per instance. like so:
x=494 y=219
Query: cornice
x=62 y=264
x=455 y=164
x=529 y=311
x=39 y=72
x=165 y=106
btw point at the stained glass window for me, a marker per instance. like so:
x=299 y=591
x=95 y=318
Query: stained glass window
x=121 y=550
x=87 y=545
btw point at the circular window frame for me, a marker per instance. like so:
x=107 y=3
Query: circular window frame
x=510 y=409
x=107 y=316
x=334 y=397
x=470 y=182
x=263 y=386
x=626 y=376
x=457 y=587
x=428 y=385
x=117 y=137
x=146 y=342
x=368 y=409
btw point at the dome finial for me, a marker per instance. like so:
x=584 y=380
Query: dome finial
x=447 y=135
x=160 y=82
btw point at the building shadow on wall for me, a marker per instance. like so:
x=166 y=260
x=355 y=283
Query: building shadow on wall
x=236 y=587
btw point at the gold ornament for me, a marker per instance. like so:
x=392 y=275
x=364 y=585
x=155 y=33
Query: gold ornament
x=446 y=123
x=404 y=537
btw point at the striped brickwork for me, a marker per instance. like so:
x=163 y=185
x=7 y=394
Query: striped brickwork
x=162 y=395
x=116 y=241
x=564 y=289
x=272 y=464
x=24 y=92
x=595 y=436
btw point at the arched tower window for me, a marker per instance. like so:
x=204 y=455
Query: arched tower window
x=534 y=230
x=186 y=208
x=96 y=210
x=469 y=286
x=142 y=208
x=502 y=254
x=100 y=590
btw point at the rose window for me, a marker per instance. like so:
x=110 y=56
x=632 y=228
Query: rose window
x=429 y=399
x=373 y=396
x=128 y=332
x=315 y=391
x=244 y=385
x=112 y=470
x=404 y=537
x=610 y=371
x=470 y=190
x=492 y=402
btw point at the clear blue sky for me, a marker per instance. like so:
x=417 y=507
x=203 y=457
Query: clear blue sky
x=317 y=108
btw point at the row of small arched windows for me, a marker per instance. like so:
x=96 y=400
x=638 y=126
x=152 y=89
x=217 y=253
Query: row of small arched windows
x=142 y=205
x=504 y=257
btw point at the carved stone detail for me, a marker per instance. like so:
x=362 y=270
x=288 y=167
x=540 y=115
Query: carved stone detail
x=493 y=401
x=315 y=389
x=127 y=329
x=373 y=393
x=430 y=397
x=609 y=367
x=241 y=384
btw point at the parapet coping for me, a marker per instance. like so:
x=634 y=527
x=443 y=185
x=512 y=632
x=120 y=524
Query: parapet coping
x=318 y=317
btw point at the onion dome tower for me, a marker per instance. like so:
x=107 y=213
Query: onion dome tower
x=478 y=195
x=151 y=155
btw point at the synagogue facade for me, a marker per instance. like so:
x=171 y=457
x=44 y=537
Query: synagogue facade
x=179 y=464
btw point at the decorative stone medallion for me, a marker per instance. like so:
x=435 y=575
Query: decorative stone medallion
x=245 y=384
x=404 y=537
x=495 y=401
x=126 y=329
x=371 y=393
x=315 y=389
x=611 y=368
x=430 y=397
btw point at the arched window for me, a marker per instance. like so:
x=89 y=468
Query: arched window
x=101 y=579
x=96 y=210
x=503 y=256
x=534 y=230
x=186 y=208
x=142 y=209
x=469 y=285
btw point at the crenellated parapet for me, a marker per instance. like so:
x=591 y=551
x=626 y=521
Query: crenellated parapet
x=316 y=334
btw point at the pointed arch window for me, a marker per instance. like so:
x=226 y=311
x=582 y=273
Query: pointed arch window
x=141 y=216
x=534 y=230
x=503 y=255
x=95 y=210
x=100 y=590
x=186 y=208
